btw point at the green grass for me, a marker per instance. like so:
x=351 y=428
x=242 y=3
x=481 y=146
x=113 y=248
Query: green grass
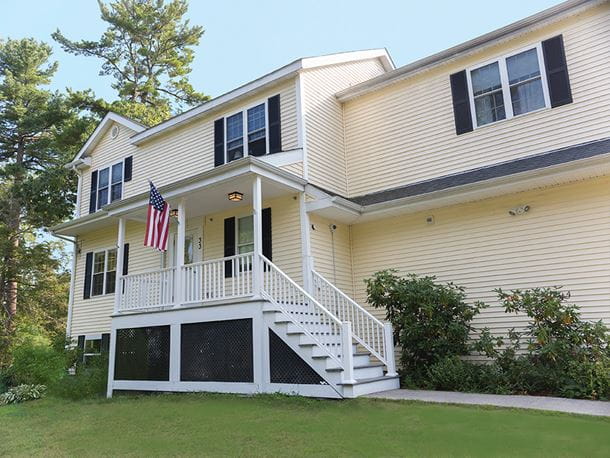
x=275 y=425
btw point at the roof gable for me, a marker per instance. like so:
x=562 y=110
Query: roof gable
x=99 y=132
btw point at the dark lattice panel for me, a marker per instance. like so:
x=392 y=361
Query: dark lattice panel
x=288 y=367
x=142 y=354
x=217 y=351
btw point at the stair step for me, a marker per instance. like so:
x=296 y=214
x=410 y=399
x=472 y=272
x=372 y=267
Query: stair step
x=364 y=381
x=357 y=366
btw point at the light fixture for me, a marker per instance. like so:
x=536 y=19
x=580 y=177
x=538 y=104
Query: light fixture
x=520 y=210
x=173 y=213
x=235 y=196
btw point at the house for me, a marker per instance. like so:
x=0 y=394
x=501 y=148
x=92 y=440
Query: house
x=486 y=164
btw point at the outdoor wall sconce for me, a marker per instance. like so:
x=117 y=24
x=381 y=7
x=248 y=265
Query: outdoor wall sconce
x=235 y=196
x=520 y=210
x=173 y=213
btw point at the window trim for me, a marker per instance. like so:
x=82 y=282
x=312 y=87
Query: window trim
x=105 y=273
x=98 y=204
x=245 y=142
x=91 y=337
x=508 y=105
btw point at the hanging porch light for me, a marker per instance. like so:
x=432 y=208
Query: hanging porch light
x=235 y=196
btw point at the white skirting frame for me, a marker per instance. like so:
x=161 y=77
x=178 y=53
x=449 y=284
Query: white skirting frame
x=241 y=309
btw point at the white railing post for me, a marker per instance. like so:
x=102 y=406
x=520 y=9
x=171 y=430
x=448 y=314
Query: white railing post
x=257 y=267
x=347 y=355
x=388 y=340
x=180 y=241
x=120 y=254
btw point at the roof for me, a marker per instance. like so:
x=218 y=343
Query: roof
x=535 y=162
x=252 y=87
x=535 y=21
x=99 y=132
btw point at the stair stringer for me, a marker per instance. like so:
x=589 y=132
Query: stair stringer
x=305 y=351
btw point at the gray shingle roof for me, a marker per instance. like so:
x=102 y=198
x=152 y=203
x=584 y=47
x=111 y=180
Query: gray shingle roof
x=556 y=157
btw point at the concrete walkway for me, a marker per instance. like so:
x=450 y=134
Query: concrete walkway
x=600 y=408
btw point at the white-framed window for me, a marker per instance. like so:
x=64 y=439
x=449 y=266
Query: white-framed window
x=92 y=347
x=510 y=86
x=109 y=184
x=246 y=132
x=103 y=276
x=245 y=234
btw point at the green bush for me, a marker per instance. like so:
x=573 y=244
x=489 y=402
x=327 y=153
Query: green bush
x=431 y=321
x=22 y=393
x=89 y=381
x=36 y=364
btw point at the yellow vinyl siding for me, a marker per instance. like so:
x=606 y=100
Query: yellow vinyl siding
x=93 y=315
x=185 y=151
x=285 y=238
x=405 y=133
x=563 y=240
x=322 y=245
x=107 y=152
x=295 y=169
x=324 y=119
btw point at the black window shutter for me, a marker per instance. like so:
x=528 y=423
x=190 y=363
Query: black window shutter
x=266 y=217
x=93 y=192
x=81 y=343
x=461 y=103
x=88 y=273
x=275 y=125
x=557 y=71
x=128 y=168
x=125 y=258
x=229 y=244
x=105 y=346
x=219 y=142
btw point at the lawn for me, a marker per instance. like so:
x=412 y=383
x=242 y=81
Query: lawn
x=274 y=425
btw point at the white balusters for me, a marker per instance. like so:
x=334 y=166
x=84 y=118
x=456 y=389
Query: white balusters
x=367 y=330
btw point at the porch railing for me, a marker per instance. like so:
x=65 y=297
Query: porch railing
x=147 y=289
x=217 y=279
x=308 y=314
x=368 y=331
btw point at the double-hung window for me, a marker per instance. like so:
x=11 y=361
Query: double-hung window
x=246 y=133
x=103 y=279
x=508 y=87
x=109 y=184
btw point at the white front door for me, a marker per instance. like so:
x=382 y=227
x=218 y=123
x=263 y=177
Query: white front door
x=193 y=247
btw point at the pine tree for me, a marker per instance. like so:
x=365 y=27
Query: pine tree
x=147 y=49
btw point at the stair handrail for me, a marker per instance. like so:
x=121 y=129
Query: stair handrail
x=268 y=266
x=379 y=340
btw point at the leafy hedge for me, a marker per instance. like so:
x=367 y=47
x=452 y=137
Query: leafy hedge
x=557 y=354
x=22 y=393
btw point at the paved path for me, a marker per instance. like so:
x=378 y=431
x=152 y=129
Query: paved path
x=600 y=408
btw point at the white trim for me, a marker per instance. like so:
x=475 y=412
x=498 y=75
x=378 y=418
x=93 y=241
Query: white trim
x=301 y=127
x=72 y=289
x=244 y=118
x=506 y=86
x=263 y=82
x=283 y=158
x=105 y=272
x=101 y=129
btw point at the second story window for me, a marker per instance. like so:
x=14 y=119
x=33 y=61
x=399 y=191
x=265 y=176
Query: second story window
x=109 y=185
x=247 y=133
x=508 y=87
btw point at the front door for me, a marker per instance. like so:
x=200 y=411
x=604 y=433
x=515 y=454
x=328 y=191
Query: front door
x=193 y=247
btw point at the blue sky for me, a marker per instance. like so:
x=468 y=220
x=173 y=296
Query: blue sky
x=246 y=39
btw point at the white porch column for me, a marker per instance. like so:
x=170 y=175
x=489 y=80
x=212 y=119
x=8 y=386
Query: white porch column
x=257 y=205
x=180 y=240
x=120 y=254
x=307 y=259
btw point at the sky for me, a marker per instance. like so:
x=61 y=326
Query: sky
x=246 y=39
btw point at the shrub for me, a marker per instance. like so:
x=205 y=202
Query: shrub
x=431 y=321
x=36 y=364
x=89 y=381
x=22 y=393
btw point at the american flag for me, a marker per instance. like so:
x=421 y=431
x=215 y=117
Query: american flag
x=157 y=221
